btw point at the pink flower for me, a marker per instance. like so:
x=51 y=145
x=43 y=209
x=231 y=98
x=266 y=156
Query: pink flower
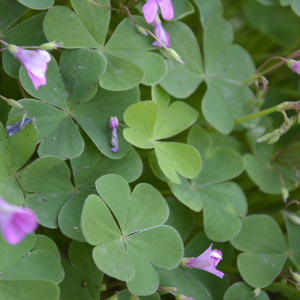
x=207 y=261
x=16 y=222
x=162 y=34
x=150 y=9
x=113 y=124
x=294 y=65
x=35 y=63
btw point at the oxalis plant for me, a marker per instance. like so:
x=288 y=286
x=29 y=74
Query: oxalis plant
x=143 y=155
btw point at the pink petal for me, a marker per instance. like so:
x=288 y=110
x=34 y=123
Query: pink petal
x=12 y=233
x=166 y=8
x=36 y=81
x=150 y=9
x=161 y=34
x=25 y=220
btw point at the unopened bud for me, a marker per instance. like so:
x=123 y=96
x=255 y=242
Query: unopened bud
x=114 y=297
x=167 y=290
x=14 y=103
x=102 y=287
x=296 y=277
x=50 y=46
x=274 y=139
x=265 y=137
x=295 y=219
x=174 y=55
x=133 y=297
x=88 y=1
x=294 y=65
x=183 y=297
x=256 y=292
x=285 y=194
x=283 y=282
x=141 y=30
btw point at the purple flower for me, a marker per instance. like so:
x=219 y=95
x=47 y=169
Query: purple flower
x=207 y=261
x=113 y=124
x=150 y=9
x=294 y=65
x=162 y=34
x=35 y=63
x=16 y=222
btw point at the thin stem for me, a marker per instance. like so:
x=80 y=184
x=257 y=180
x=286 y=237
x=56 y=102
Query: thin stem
x=105 y=6
x=1 y=41
x=268 y=60
x=115 y=284
x=3 y=98
x=256 y=115
x=153 y=35
x=285 y=212
x=164 y=289
x=280 y=177
x=3 y=49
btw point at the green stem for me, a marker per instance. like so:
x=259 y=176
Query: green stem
x=95 y=3
x=294 y=297
x=258 y=114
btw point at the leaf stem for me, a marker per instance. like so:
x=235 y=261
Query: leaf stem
x=115 y=9
x=258 y=114
x=3 y=98
x=1 y=41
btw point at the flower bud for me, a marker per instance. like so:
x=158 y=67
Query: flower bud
x=285 y=194
x=295 y=219
x=274 y=139
x=167 y=290
x=296 y=277
x=14 y=103
x=50 y=46
x=183 y=297
x=114 y=297
x=294 y=65
x=141 y=30
x=174 y=55
x=103 y=287
x=265 y=137
x=133 y=297
x=256 y=292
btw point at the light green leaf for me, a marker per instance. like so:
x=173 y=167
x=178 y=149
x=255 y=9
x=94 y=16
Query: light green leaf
x=37 y=265
x=191 y=71
x=93 y=116
x=28 y=290
x=37 y=4
x=64 y=26
x=45 y=243
x=264 y=257
x=209 y=8
x=120 y=74
x=155 y=166
x=182 y=9
x=81 y=256
x=125 y=295
x=241 y=290
x=10 y=12
x=95 y=18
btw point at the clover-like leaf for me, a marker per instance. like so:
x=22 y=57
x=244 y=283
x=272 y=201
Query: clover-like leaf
x=37 y=4
x=241 y=290
x=264 y=257
x=45 y=243
x=27 y=33
x=140 y=215
x=14 y=152
x=207 y=9
x=149 y=122
x=125 y=295
x=224 y=203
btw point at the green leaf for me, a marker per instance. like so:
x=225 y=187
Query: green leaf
x=191 y=71
x=221 y=58
x=11 y=10
x=81 y=256
x=37 y=4
x=71 y=286
x=29 y=33
x=120 y=74
x=141 y=119
x=209 y=8
x=125 y=295
x=184 y=282
x=265 y=175
x=28 y=290
x=181 y=218
x=224 y=102
x=37 y=265
x=155 y=166
x=145 y=281
x=96 y=215
x=45 y=243
x=176 y=157
x=182 y=9
x=264 y=258
x=144 y=209
x=161 y=245
x=241 y=290
x=11 y=254
x=81 y=69
x=95 y=18
x=64 y=26
x=93 y=116
x=91 y=165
